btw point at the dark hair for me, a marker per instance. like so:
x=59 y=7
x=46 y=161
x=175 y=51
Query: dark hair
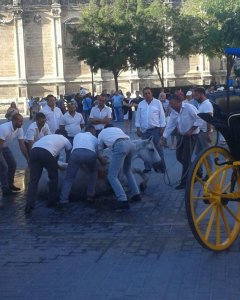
x=49 y=96
x=40 y=115
x=175 y=98
x=147 y=88
x=61 y=132
x=200 y=90
x=89 y=128
x=108 y=125
x=15 y=116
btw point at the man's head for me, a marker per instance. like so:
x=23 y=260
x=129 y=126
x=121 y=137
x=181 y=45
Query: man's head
x=50 y=101
x=71 y=106
x=40 y=119
x=189 y=95
x=137 y=93
x=147 y=92
x=101 y=100
x=175 y=102
x=162 y=96
x=17 y=121
x=90 y=129
x=128 y=94
x=61 y=132
x=200 y=94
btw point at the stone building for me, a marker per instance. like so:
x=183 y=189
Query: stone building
x=35 y=61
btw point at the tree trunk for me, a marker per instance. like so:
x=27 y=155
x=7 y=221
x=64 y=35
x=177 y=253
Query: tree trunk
x=160 y=73
x=92 y=82
x=115 y=75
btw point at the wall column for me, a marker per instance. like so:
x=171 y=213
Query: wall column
x=58 y=50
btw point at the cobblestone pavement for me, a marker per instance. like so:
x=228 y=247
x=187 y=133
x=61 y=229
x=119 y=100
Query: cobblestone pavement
x=90 y=252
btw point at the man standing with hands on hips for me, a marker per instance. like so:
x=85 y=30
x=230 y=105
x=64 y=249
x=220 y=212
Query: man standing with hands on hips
x=150 y=121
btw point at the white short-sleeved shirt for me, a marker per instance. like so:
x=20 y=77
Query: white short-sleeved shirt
x=85 y=140
x=205 y=107
x=100 y=114
x=150 y=115
x=53 y=117
x=54 y=143
x=72 y=123
x=7 y=133
x=108 y=136
x=183 y=120
x=33 y=133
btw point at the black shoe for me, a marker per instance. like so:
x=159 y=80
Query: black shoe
x=181 y=186
x=14 y=188
x=7 y=192
x=51 y=204
x=146 y=171
x=28 y=210
x=119 y=205
x=136 y=198
x=62 y=206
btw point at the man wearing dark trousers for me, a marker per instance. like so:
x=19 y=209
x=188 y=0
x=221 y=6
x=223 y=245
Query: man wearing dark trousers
x=43 y=155
x=9 y=131
x=184 y=117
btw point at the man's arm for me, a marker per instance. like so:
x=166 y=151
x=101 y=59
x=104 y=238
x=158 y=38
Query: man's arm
x=23 y=149
x=1 y=144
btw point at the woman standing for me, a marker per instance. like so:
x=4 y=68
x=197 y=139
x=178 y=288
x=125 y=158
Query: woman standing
x=127 y=113
x=12 y=110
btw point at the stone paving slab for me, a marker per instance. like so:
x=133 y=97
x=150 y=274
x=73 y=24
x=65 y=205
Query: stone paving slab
x=90 y=252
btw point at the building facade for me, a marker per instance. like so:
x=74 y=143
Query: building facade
x=35 y=59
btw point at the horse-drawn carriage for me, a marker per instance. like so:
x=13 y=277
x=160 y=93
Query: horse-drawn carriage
x=212 y=194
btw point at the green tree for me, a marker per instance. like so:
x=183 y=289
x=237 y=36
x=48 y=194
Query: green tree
x=153 y=37
x=104 y=36
x=217 y=27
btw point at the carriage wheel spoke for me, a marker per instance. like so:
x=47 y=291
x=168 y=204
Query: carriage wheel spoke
x=231 y=213
x=217 y=225
x=205 y=162
x=226 y=227
x=203 y=214
x=200 y=180
x=209 y=227
x=226 y=187
x=222 y=179
x=200 y=197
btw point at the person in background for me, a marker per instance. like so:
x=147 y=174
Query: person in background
x=127 y=113
x=190 y=99
x=11 y=111
x=8 y=164
x=100 y=115
x=87 y=105
x=35 y=108
x=61 y=104
x=53 y=114
x=72 y=122
x=135 y=103
x=117 y=102
x=150 y=121
x=36 y=130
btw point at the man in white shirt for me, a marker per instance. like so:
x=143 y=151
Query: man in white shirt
x=53 y=114
x=36 y=130
x=9 y=131
x=84 y=153
x=72 y=122
x=184 y=117
x=123 y=151
x=100 y=115
x=150 y=121
x=43 y=155
x=204 y=138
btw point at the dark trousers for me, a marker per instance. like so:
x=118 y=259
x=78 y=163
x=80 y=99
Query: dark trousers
x=7 y=167
x=155 y=134
x=39 y=159
x=185 y=147
x=68 y=152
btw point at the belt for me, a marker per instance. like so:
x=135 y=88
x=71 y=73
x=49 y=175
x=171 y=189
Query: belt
x=119 y=140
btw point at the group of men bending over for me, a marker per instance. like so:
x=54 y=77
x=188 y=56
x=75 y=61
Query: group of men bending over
x=41 y=149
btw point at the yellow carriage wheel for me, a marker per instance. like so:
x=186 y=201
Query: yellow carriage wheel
x=213 y=217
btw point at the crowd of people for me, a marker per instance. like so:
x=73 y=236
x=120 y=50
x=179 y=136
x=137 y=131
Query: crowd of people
x=59 y=124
